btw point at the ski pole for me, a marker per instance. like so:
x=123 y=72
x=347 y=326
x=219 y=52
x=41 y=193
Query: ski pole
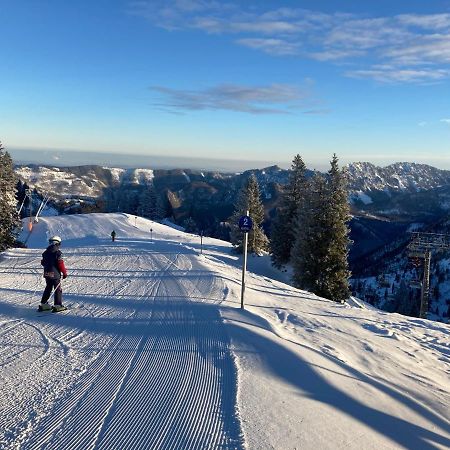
x=52 y=294
x=57 y=286
x=54 y=290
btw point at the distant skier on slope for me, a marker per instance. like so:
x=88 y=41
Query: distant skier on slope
x=113 y=235
x=53 y=269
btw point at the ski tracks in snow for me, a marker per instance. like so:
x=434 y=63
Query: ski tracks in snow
x=148 y=367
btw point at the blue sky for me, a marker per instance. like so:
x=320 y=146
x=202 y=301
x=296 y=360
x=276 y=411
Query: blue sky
x=257 y=81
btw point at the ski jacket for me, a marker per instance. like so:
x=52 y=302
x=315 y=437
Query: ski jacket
x=53 y=262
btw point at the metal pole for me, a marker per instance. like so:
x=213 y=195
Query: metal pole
x=201 y=242
x=244 y=267
x=425 y=285
x=23 y=202
x=421 y=246
x=30 y=223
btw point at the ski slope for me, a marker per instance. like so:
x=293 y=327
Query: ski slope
x=156 y=353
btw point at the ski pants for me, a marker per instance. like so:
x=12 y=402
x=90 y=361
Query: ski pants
x=52 y=283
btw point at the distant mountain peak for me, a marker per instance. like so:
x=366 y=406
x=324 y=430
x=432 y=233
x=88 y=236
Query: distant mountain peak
x=400 y=176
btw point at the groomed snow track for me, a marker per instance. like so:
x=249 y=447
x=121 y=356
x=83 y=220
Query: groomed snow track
x=141 y=360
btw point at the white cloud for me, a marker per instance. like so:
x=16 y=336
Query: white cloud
x=272 y=46
x=265 y=27
x=430 y=21
x=272 y=99
x=418 y=45
x=393 y=75
x=425 y=50
x=447 y=121
x=335 y=55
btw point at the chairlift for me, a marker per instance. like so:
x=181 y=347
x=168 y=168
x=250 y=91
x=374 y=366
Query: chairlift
x=414 y=254
x=382 y=282
x=415 y=261
x=415 y=284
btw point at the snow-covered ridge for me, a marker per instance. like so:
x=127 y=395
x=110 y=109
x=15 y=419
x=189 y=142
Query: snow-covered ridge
x=402 y=176
x=62 y=182
x=364 y=178
x=80 y=181
x=368 y=184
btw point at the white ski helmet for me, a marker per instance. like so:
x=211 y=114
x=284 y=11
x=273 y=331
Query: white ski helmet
x=55 y=240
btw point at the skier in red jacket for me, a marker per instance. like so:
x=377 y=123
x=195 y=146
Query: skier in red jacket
x=53 y=269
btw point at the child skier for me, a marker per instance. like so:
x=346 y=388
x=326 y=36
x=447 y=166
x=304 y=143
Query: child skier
x=53 y=269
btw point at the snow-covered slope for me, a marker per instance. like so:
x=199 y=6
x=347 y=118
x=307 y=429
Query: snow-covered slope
x=155 y=352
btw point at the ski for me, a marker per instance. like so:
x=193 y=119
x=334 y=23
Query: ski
x=58 y=308
x=44 y=308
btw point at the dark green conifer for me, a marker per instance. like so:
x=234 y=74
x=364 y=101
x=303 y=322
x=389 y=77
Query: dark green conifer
x=283 y=227
x=151 y=204
x=309 y=251
x=320 y=253
x=249 y=199
x=9 y=218
x=338 y=211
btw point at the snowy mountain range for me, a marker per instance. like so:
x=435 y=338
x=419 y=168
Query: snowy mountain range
x=382 y=198
x=79 y=181
x=155 y=351
x=366 y=181
x=399 y=177
x=385 y=201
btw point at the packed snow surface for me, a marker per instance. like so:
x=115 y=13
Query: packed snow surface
x=155 y=352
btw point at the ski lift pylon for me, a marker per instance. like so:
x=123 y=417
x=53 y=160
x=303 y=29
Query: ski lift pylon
x=414 y=253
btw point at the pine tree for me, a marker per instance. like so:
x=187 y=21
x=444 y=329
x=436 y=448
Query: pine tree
x=150 y=205
x=190 y=226
x=282 y=233
x=338 y=209
x=9 y=218
x=249 y=199
x=309 y=252
x=320 y=253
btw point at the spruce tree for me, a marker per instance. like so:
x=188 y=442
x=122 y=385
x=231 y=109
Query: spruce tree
x=9 y=218
x=320 y=253
x=249 y=199
x=338 y=209
x=309 y=252
x=282 y=232
x=150 y=204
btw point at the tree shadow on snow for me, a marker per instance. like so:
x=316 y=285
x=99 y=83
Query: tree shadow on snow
x=292 y=368
x=175 y=317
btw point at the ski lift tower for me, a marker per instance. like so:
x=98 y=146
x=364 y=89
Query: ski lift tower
x=421 y=246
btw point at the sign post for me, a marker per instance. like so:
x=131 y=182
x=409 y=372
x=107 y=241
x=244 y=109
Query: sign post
x=245 y=225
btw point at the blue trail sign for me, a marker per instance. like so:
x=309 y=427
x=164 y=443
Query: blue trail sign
x=245 y=224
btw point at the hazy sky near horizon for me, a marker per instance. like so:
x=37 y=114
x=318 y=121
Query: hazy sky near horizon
x=253 y=80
